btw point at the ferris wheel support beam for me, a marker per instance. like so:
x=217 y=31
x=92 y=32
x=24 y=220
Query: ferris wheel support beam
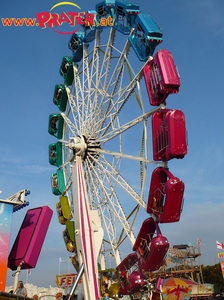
x=88 y=232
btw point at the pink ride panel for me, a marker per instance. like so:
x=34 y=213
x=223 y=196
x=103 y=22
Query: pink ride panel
x=169 y=135
x=159 y=283
x=161 y=77
x=30 y=238
x=151 y=250
x=165 y=196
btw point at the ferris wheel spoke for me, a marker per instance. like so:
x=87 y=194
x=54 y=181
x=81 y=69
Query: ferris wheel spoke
x=96 y=58
x=107 y=219
x=140 y=101
x=123 y=155
x=70 y=125
x=107 y=59
x=122 y=99
x=76 y=103
x=95 y=72
x=117 y=211
x=105 y=213
x=87 y=91
x=104 y=71
x=115 y=206
x=113 y=83
x=80 y=100
x=73 y=109
x=118 y=179
x=119 y=130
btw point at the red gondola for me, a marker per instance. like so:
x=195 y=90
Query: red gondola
x=161 y=77
x=151 y=250
x=165 y=196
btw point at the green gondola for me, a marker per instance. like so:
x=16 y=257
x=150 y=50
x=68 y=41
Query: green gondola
x=60 y=97
x=55 y=125
x=66 y=70
x=55 y=154
x=57 y=182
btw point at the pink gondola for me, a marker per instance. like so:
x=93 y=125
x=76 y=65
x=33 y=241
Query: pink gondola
x=165 y=196
x=131 y=282
x=169 y=135
x=151 y=250
x=161 y=77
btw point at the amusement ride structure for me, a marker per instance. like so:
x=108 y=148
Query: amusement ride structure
x=102 y=150
x=182 y=260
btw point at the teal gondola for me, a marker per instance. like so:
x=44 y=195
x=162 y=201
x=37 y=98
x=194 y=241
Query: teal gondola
x=55 y=154
x=55 y=125
x=57 y=182
x=105 y=9
x=66 y=70
x=60 y=97
x=125 y=15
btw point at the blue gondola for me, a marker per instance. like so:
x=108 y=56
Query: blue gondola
x=90 y=35
x=76 y=43
x=125 y=15
x=105 y=9
x=145 y=37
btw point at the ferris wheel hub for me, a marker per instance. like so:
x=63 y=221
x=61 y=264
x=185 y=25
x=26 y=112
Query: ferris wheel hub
x=84 y=147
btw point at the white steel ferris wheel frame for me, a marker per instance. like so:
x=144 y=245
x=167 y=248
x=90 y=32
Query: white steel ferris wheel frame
x=91 y=120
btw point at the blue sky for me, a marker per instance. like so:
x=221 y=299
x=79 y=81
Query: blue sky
x=30 y=59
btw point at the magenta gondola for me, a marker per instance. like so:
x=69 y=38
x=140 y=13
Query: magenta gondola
x=161 y=77
x=131 y=282
x=165 y=196
x=169 y=135
x=151 y=246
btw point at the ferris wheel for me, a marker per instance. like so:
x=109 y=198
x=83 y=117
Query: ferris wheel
x=107 y=148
